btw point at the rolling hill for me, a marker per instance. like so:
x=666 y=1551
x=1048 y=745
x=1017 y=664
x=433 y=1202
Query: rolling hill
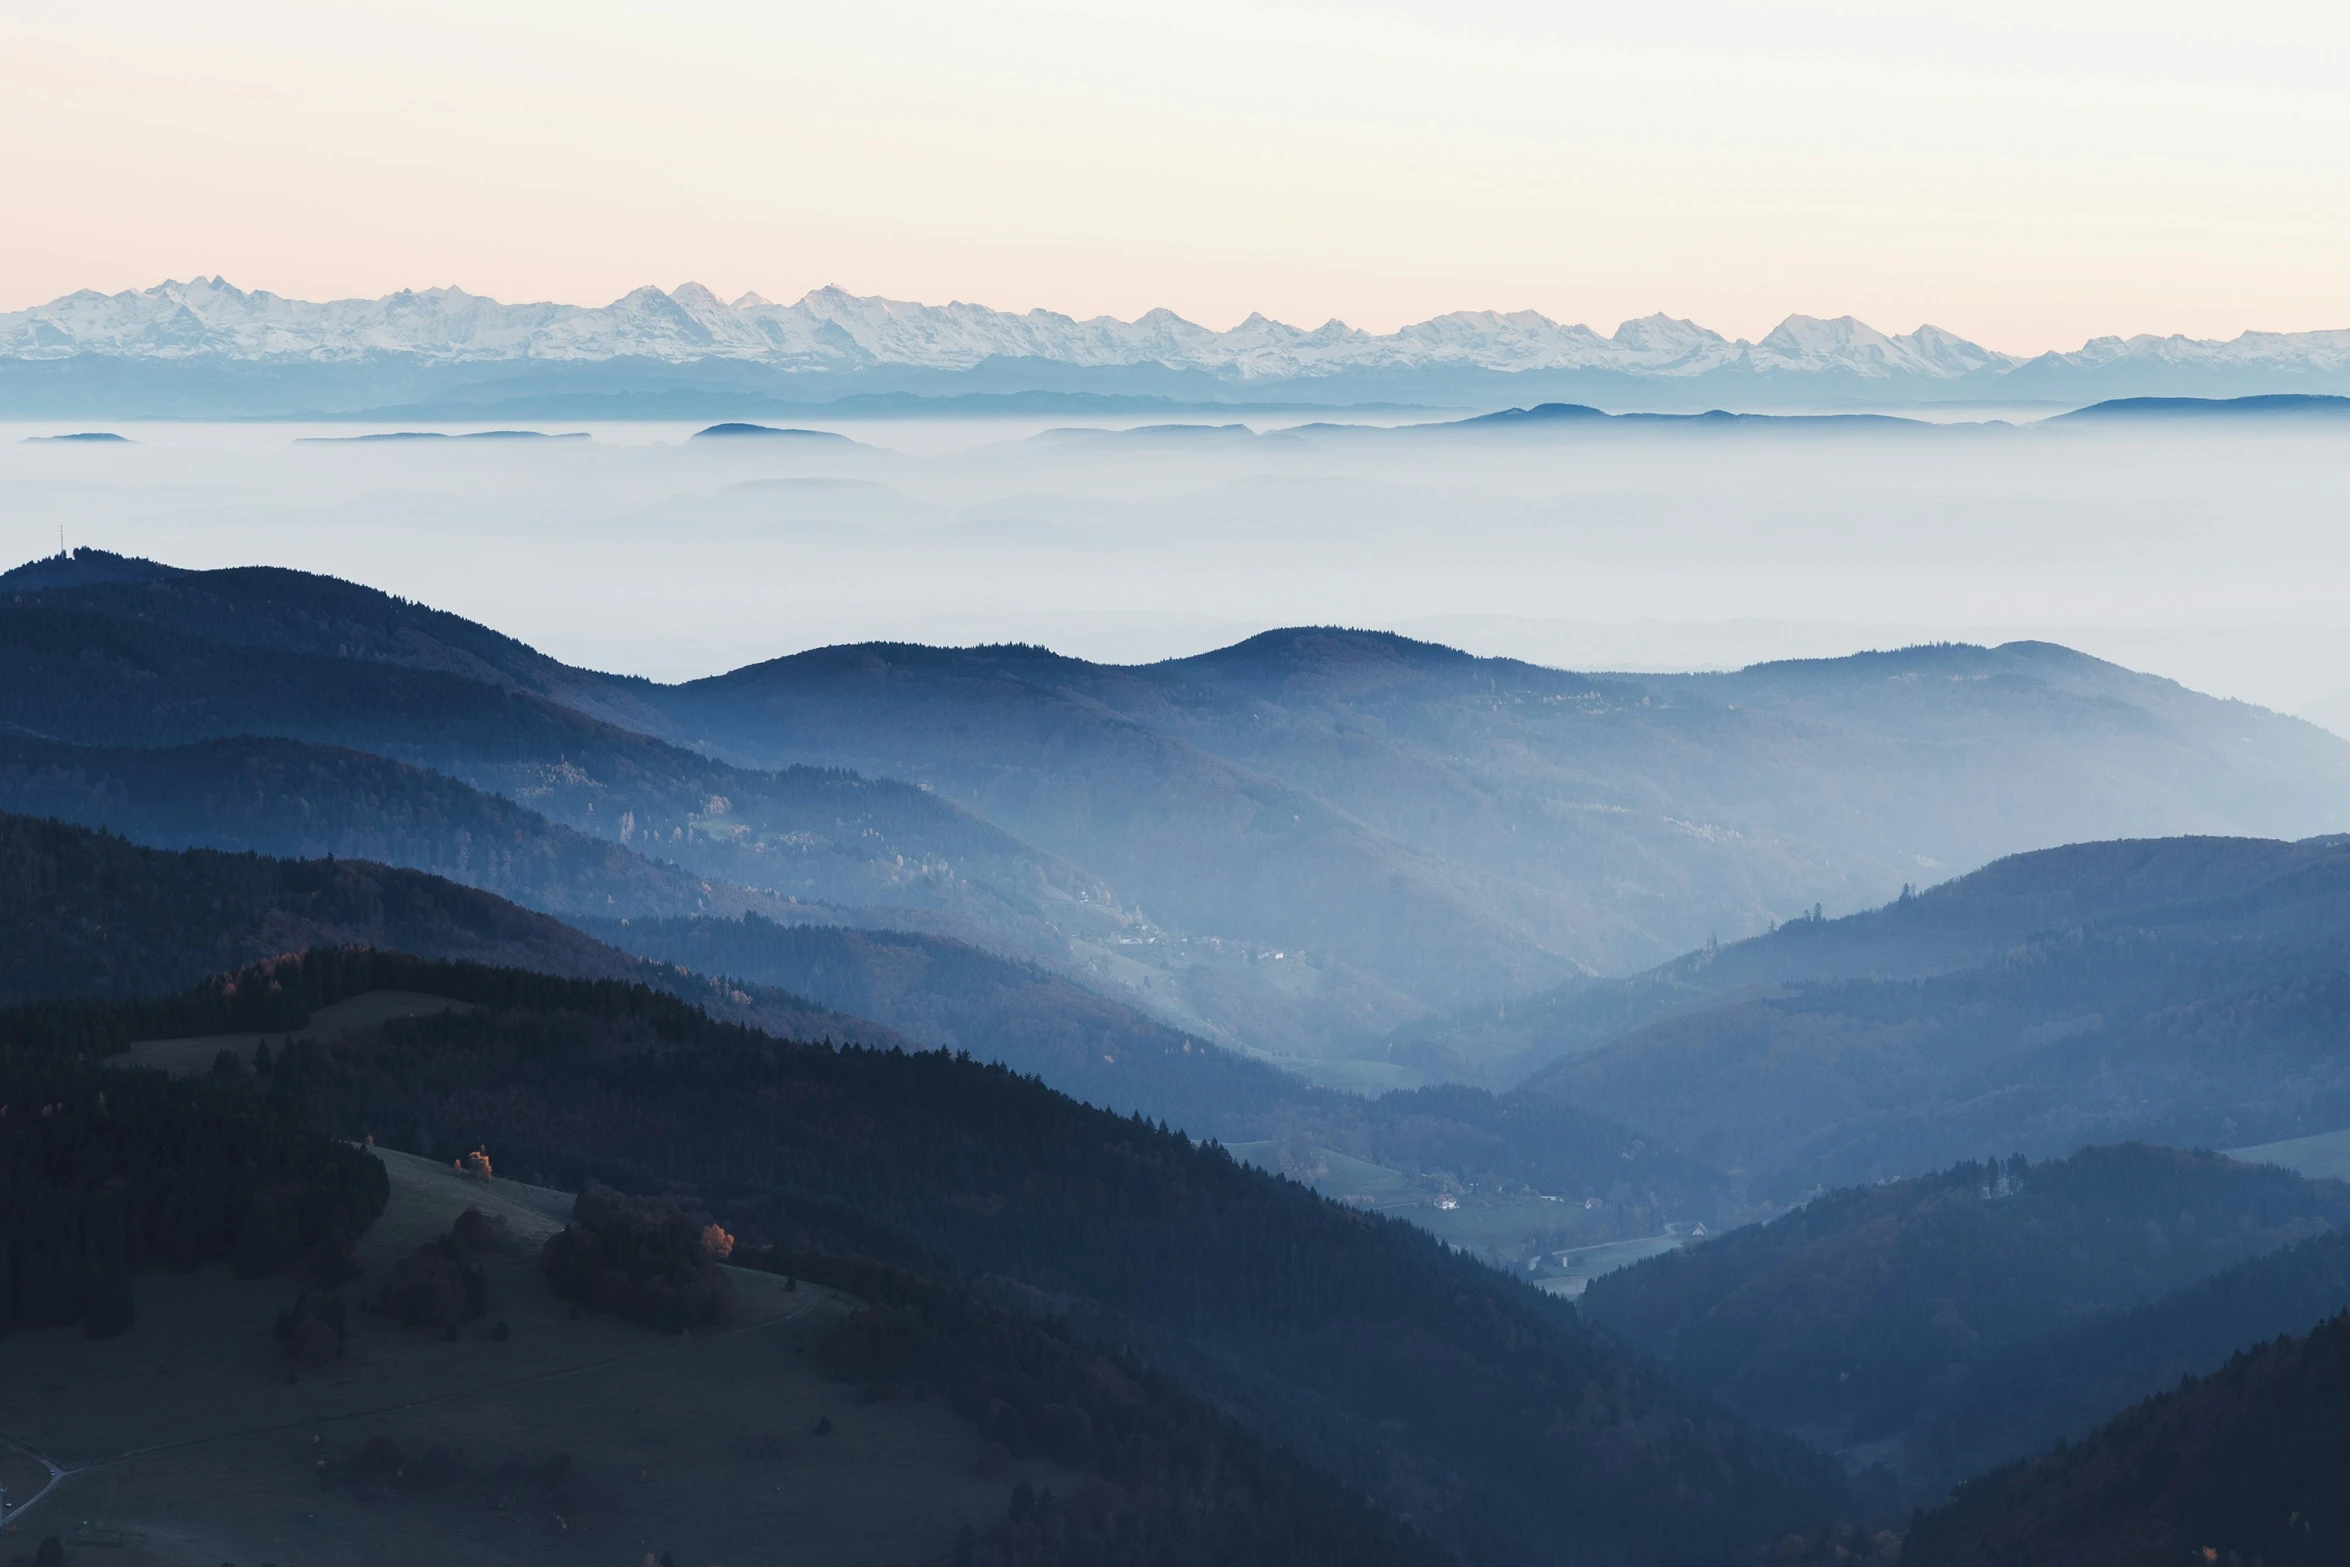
x=2242 y=1465
x=811 y=834
x=1490 y=1414
x=1299 y=843
x=86 y=915
x=1863 y=1318
x=2211 y=1023
x=296 y=800
x=1959 y=924
x=2024 y=1400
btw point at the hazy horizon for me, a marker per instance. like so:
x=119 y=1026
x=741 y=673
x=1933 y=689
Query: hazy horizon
x=642 y=552
x=2031 y=176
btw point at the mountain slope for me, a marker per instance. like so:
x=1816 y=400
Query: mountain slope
x=1959 y=924
x=2023 y=1401
x=300 y=801
x=1453 y=824
x=2243 y=1465
x=85 y=915
x=1863 y=1316
x=302 y=612
x=2184 y=1023
x=1332 y=833
x=954 y=997
x=1486 y=1411
x=1605 y=1181
x=90 y=677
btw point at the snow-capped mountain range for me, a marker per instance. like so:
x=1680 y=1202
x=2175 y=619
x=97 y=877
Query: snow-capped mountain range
x=208 y=321
x=832 y=329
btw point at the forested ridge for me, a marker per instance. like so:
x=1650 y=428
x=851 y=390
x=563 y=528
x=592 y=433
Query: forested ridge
x=304 y=801
x=86 y=916
x=1474 y=1406
x=821 y=834
x=1108 y=1054
x=955 y=997
x=1864 y=1314
x=1959 y=924
x=2211 y=1023
x=2243 y=1466
x=2023 y=1400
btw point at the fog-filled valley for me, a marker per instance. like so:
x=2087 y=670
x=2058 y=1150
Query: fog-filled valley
x=1123 y=981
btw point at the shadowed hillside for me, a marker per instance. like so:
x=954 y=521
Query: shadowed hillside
x=1602 y=1179
x=2243 y=1465
x=1862 y=1317
x=84 y=914
x=1306 y=778
x=2214 y=1023
x=1959 y=924
x=1486 y=1411
x=818 y=835
x=287 y=798
x=2024 y=1400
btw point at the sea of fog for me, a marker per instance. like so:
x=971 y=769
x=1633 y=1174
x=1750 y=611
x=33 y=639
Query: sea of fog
x=2217 y=555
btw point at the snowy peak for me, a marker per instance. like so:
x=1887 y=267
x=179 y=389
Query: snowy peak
x=831 y=329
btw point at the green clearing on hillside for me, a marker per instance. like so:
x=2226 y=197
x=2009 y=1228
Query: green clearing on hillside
x=188 y=1435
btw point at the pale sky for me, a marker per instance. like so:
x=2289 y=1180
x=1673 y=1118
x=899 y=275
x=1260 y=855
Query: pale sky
x=2026 y=174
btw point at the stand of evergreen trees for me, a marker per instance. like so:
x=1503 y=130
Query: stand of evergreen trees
x=1194 y=1487
x=2249 y=1465
x=104 y=1172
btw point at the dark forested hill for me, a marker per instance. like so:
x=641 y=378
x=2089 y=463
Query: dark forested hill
x=303 y=801
x=2215 y=1023
x=818 y=835
x=1094 y=1049
x=300 y=612
x=87 y=914
x=955 y=997
x=1864 y=1315
x=2245 y=1465
x=1958 y=924
x=2021 y=1401
x=1484 y=1410
x=84 y=914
